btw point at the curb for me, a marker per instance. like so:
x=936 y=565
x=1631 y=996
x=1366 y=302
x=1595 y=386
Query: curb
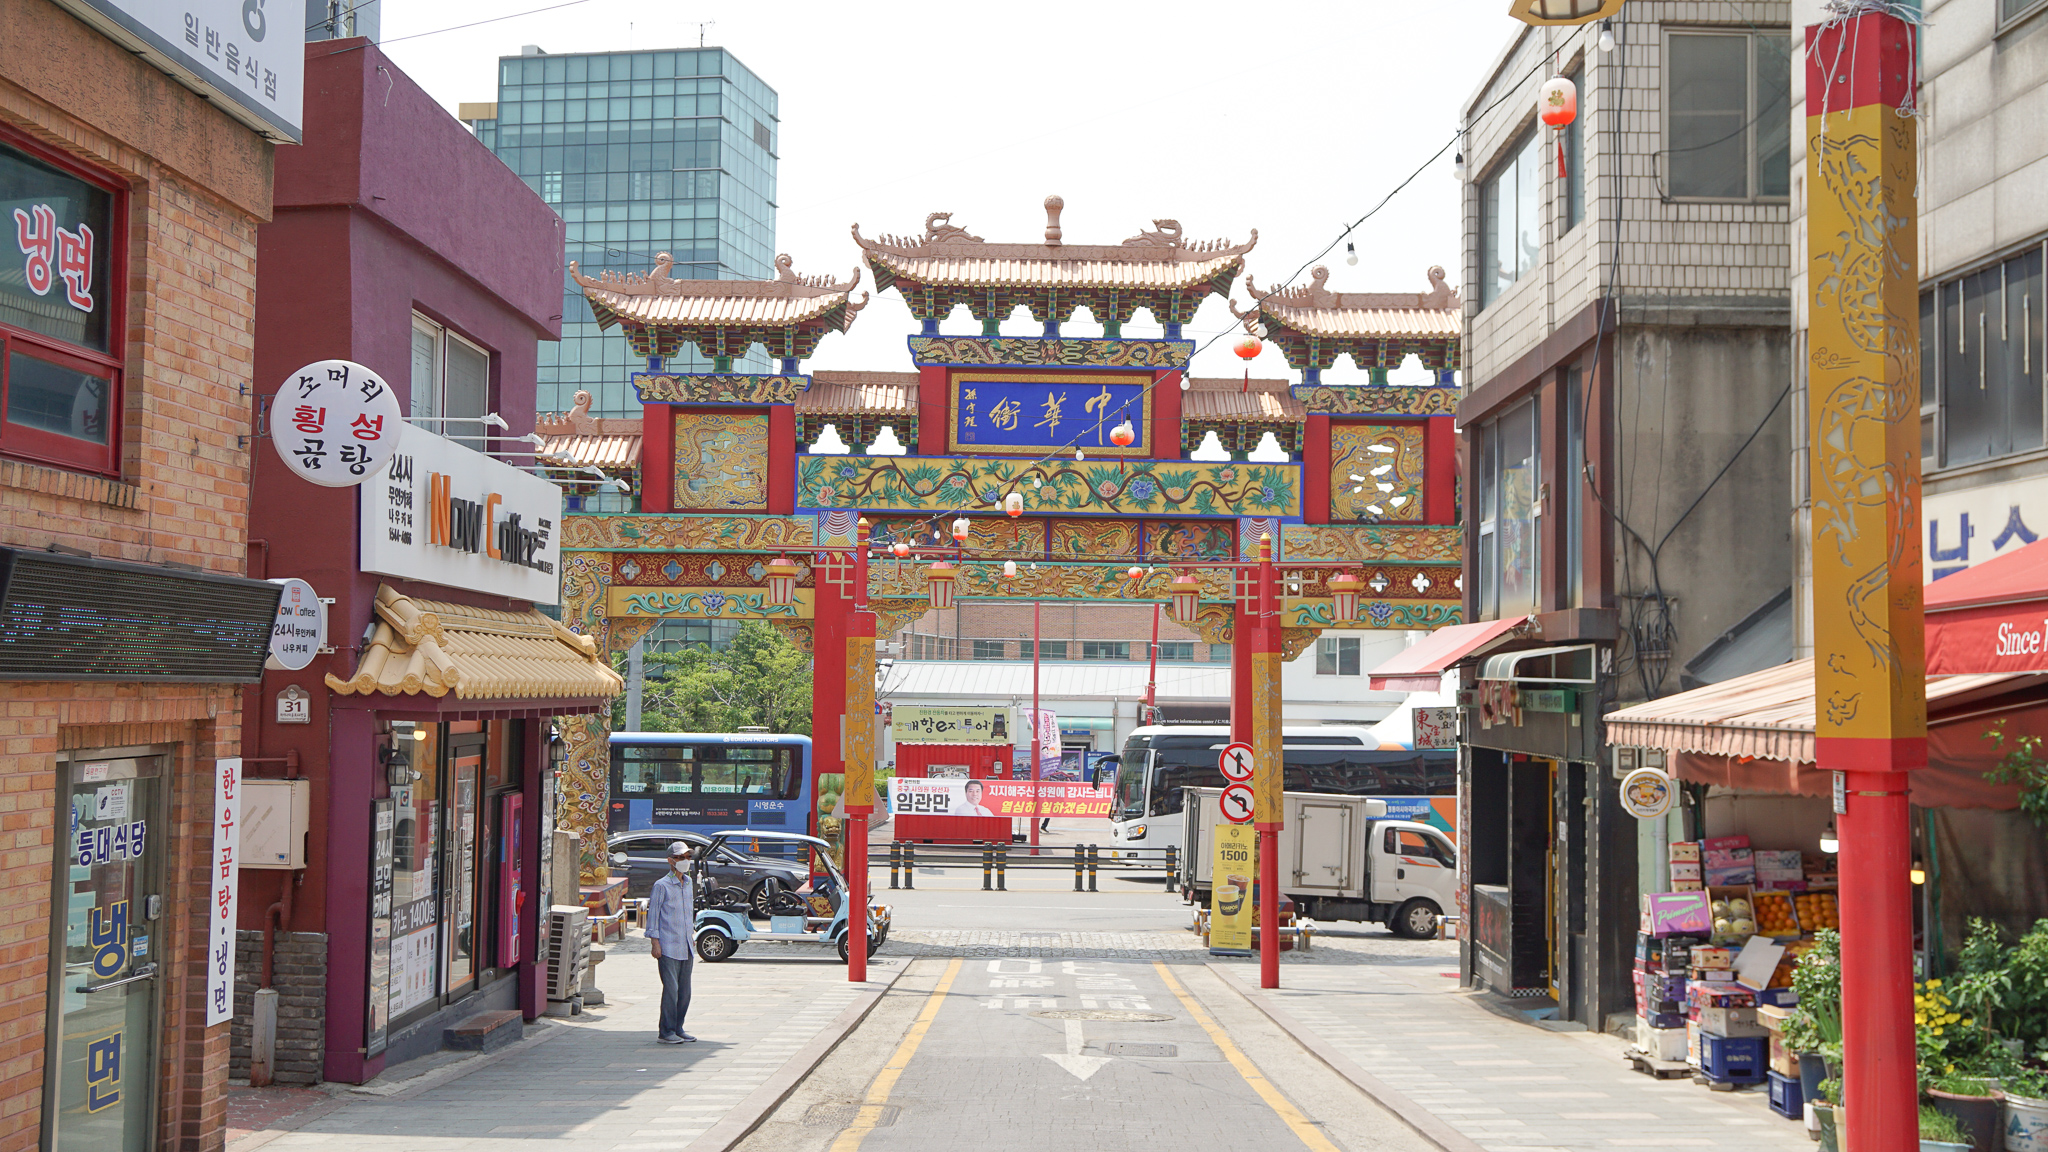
x=748 y=1114
x=1425 y=1123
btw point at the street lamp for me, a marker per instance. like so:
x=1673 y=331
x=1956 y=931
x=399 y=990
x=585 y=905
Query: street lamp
x=1563 y=11
x=1344 y=589
x=1187 y=597
x=781 y=581
x=940 y=577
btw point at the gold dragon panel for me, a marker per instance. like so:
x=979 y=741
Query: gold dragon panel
x=1376 y=466
x=721 y=461
x=1093 y=539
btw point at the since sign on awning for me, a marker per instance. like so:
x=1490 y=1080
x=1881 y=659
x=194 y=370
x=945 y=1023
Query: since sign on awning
x=1992 y=617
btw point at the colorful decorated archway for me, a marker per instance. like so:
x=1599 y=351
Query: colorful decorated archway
x=726 y=482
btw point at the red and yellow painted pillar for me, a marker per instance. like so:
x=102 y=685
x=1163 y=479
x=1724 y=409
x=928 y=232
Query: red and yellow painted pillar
x=1870 y=663
x=858 y=740
x=1268 y=811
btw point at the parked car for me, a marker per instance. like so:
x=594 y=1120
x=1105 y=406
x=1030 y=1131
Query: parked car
x=732 y=878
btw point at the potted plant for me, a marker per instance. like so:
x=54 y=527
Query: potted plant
x=1830 y=1092
x=1814 y=1029
x=1939 y=1132
x=1972 y=1099
x=2026 y=1111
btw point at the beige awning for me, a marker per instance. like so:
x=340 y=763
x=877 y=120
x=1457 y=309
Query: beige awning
x=434 y=647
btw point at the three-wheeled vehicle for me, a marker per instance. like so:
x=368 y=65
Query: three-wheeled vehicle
x=814 y=915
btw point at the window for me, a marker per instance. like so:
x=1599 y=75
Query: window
x=1574 y=483
x=1337 y=656
x=451 y=382
x=1727 y=120
x=1052 y=649
x=1219 y=653
x=60 y=316
x=1420 y=847
x=1105 y=650
x=1510 y=221
x=1980 y=362
x=1506 y=467
x=1575 y=156
x=2010 y=11
x=1176 y=650
x=990 y=649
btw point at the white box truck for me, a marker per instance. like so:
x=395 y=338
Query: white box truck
x=1340 y=859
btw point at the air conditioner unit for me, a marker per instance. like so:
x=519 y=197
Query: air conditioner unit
x=566 y=950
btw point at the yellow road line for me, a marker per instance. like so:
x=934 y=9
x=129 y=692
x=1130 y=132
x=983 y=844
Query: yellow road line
x=870 y=1113
x=1288 y=1113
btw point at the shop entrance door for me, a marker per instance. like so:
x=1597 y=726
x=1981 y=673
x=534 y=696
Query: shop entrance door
x=105 y=950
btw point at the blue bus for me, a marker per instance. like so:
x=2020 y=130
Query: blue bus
x=707 y=781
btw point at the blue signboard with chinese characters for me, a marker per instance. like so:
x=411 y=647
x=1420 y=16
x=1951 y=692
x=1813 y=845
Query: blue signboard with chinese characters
x=1050 y=412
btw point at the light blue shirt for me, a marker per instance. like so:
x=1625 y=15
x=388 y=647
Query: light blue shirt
x=671 y=914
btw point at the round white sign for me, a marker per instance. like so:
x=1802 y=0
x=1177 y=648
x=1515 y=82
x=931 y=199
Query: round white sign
x=1237 y=803
x=301 y=628
x=1236 y=761
x=1647 y=793
x=335 y=423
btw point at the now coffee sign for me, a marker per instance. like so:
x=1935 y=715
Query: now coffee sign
x=453 y=516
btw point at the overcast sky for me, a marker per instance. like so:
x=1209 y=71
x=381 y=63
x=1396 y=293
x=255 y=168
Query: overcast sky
x=1291 y=118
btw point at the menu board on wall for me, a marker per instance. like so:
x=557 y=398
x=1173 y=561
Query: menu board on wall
x=382 y=820
x=413 y=929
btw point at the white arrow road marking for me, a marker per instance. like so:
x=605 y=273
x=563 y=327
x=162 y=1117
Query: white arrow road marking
x=1081 y=1066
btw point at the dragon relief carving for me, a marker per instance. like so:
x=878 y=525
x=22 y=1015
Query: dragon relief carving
x=939 y=226
x=1168 y=236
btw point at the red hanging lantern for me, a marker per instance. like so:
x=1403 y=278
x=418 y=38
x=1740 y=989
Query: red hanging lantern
x=782 y=580
x=1344 y=589
x=1187 y=597
x=1135 y=574
x=1248 y=348
x=900 y=548
x=1123 y=435
x=939 y=577
x=1558 y=105
x=1013 y=504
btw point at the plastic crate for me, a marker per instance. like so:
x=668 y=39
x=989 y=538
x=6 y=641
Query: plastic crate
x=1732 y=1059
x=1787 y=1099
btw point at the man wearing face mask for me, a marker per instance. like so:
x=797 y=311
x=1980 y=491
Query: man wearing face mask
x=671 y=914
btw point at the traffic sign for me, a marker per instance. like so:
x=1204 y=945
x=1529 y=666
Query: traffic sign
x=1236 y=761
x=1237 y=804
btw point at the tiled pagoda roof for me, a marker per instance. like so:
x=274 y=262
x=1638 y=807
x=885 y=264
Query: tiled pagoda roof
x=1314 y=325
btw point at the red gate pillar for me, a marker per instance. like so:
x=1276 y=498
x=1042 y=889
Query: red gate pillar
x=1268 y=812
x=1870 y=659
x=859 y=740
x=1244 y=623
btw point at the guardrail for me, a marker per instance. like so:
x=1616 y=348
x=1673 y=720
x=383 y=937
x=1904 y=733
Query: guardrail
x=1085 y=859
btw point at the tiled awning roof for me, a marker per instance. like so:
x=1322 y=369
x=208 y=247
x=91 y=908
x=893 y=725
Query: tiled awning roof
x=433 y=647
x=604 y=450
x=947 y=255
x=859 y=394
x=1263 y=402
x=1314 y=310
x=654 y=299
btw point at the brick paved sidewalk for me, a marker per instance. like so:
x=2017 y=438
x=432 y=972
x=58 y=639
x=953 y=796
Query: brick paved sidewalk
x=1394 y=1010
x=600 y=1080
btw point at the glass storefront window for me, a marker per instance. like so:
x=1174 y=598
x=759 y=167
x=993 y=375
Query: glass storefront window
x=415 y=855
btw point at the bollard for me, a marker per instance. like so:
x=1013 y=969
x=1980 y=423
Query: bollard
x=895 y=861
x=988 y=863
x=910 y=863
x=1002 y=867
x=1080 y=857
x=1091 y=867
x=1172 y=863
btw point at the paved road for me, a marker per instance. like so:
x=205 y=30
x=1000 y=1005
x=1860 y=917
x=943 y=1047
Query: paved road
x=1072 y=1056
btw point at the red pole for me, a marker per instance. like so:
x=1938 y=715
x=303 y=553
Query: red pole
x=1270 y=811
x=1035 y=644
x=1869 y=632
x=859 y=736
x=1152 y=678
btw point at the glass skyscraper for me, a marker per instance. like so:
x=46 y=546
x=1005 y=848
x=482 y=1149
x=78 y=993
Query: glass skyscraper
x=641 y=153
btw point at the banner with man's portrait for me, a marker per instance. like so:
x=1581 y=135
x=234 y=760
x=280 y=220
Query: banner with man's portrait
x=916 y=796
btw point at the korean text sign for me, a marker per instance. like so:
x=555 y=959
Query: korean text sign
x=249 y=54
x=1041 y=413
x=931 y=724
x=335 y=423
x=221 y=877
x=913 y=796
x=1230 y=888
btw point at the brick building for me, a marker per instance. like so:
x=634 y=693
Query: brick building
x=126 y=307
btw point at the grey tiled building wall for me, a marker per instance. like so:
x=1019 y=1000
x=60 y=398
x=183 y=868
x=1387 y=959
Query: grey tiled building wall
x=641 y=153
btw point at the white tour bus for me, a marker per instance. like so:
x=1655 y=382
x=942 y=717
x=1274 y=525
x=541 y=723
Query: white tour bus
x=1159 y=760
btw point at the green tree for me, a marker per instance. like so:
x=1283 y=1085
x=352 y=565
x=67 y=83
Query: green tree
x=760 y=680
